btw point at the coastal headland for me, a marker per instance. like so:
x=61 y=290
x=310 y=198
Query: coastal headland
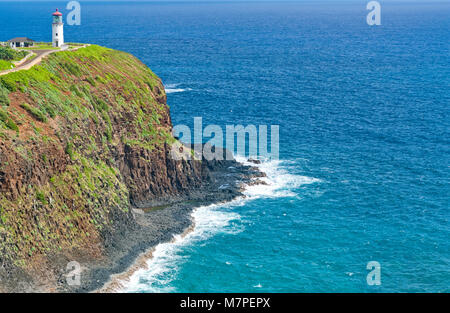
x=86 y=173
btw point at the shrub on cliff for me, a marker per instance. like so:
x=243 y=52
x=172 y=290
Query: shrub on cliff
x=5 y=65
x=6 y=119
x=4 y=98
x=8 y=54
x=69 y=150
x=35 y=112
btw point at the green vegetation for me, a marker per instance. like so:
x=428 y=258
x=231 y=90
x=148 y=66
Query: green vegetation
x=6 y=65
x=36 y=74
x=69 y=150
x=89 y=98
x=41 y=46
x=80 y=184
x=4 y=97
x=9 y=54
x=90 y=103
x=5 y=118
x=41 y=197
x=38 y=114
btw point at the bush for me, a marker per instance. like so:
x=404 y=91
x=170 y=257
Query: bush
x=35 y=112
x=99 y=104
x=91 y=81
x=11 y=125
x=74 y=89
x=73 y=69
x=50 y=111
x=5 y=65
x=41 y=197
x=4 y=98
x=4 y=117
x=69 y=150
x=8 y=54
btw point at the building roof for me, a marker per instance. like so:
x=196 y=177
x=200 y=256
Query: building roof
x=57 y=13
x=21 y=39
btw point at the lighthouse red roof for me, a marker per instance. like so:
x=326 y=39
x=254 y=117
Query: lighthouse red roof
x=57 y=13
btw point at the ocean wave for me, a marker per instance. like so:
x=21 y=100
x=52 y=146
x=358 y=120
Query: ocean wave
x=175 y=90
x=280 y=182
x=162 y=267
x=172 y=88
x=166 y=259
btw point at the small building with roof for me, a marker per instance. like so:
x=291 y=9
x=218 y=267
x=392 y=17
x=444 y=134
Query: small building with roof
x=20 y=42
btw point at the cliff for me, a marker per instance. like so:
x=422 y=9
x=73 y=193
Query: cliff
x=84 y=138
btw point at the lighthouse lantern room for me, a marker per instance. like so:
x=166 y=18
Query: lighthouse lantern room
x=57 y=30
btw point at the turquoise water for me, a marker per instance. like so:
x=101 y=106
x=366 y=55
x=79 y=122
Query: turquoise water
x=364 y=137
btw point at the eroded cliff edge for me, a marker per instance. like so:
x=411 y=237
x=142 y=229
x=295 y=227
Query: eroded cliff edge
x=85 y=138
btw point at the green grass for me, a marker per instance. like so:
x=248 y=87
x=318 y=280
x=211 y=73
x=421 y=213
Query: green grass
x=41 y=197
x=32 y=57
x=13 y=80
x=4 y=96
x=6 y=65
x=69 y=150
x=9 y=54
x=41 y=46
x=35 y=112
x=6 y=119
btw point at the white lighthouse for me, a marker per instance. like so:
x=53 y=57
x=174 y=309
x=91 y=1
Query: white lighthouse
x=57 y=30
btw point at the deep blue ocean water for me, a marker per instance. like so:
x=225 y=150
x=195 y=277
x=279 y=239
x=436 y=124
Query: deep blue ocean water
x=364 y=121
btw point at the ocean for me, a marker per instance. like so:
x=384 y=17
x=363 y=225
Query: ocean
x=364 y=117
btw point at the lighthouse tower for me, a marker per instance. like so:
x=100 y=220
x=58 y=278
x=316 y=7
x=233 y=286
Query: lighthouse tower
x=57 y=30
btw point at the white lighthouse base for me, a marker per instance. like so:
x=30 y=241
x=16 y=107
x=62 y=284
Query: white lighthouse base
x=57 y=35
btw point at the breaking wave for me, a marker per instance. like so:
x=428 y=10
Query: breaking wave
x=172 y=88
x=166 y=259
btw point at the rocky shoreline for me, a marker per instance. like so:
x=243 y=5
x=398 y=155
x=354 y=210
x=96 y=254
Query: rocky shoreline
x=158 y=222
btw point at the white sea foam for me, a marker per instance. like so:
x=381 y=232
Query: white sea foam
x=280 y=182
x=166 y=259
x=175 y=90
x=210 y=220
x=171 y=88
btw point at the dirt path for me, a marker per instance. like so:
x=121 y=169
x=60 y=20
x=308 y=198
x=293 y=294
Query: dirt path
x=40 y=54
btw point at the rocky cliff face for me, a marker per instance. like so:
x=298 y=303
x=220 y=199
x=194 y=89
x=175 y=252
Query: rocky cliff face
x=84 y=137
